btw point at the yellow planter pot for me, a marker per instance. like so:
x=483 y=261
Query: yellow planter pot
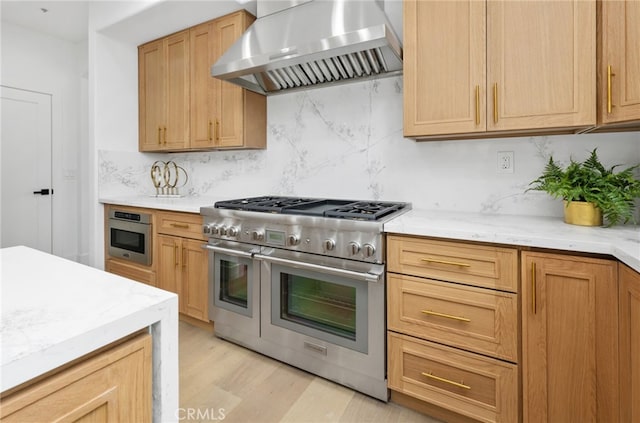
x=582 y=213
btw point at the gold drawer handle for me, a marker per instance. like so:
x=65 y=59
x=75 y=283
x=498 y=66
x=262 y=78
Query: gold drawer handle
x=441 y=379
x=495 y=103
x=448 y=316
x=452 y=263
x=609 y=75
x=180 y=225
x=533 y=288
x=477 y=105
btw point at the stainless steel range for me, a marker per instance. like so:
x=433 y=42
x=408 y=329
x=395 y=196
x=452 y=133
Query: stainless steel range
x=303 y=281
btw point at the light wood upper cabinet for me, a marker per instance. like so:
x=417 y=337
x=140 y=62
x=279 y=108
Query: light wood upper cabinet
x=569 y=339
x=182 y=107
x=619 y=62
x=474 y=67
x=444 y=67
x=629 y=320
x=163 y=93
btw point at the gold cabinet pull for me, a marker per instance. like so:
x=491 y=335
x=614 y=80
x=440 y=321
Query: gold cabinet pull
x=441 y=379
x=451 y=263
x=609 y=75
x=217 y=131
x=448 y=316
x=176 y=257
x=180 y=225
x=477 y=104
x=209 y=130
x=533 y=288
x=159 y=135
x=184 y=259
x=165 y=135
x=495 y=103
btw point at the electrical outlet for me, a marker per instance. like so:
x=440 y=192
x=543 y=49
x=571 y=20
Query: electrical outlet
x=505 y=162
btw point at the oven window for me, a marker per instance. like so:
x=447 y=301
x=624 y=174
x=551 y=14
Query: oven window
x=321 y=305
x=131 y=241
x=234 y=281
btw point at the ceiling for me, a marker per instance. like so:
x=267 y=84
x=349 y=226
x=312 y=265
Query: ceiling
x=68 y=20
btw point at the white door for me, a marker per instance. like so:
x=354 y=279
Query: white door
x=25 y=154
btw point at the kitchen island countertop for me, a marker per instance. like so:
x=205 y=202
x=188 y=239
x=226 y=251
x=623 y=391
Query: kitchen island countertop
x=621 y=242
x=55 y=311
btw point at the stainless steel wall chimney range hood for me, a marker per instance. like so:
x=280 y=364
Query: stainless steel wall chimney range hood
x=308 y=43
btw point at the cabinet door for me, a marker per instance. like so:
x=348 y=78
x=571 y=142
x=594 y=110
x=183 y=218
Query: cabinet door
x=620 y=38
x=569 y=339
x=151 y=95
x=195 y=271
x=444 y=67
x=629 y=345
x=228 y=127
x=176 y=128
x=203 y=97
x=169 y=260
x=113 y=386
x=541 y=64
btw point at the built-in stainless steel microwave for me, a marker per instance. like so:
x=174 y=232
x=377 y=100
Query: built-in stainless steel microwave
x=130 y=236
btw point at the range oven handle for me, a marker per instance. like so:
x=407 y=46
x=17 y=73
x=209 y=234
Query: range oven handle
x=362 y=276
x=228 y=251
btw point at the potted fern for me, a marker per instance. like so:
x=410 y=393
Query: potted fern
x=590 y=191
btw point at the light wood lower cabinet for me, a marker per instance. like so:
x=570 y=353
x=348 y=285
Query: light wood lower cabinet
x=569 y=339
x=183 y=265
x=132 y=271
x=114 y=385
x=475 y=386
x=629 y=320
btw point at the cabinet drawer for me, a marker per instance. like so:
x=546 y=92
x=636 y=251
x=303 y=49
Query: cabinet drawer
x=130 y=271
x=476 y=319
x=479 y=265
x=186 y=225
x=472 y=385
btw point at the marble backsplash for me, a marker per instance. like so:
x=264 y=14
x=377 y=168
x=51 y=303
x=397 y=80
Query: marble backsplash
x=346 y=142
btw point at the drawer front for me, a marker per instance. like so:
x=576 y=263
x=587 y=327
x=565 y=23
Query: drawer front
x=186 y=225
x=472 y=385
x=478 y=265
x=131 y=271
x=476 y=319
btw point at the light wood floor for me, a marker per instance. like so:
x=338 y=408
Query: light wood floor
x=225 y=382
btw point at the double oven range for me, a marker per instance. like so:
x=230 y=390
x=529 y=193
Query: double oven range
x=303 y=280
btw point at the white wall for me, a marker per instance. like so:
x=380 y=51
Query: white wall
x=38 y=62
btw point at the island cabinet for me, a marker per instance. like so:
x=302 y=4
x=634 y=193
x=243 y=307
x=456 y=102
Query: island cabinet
x=182 y=107
x=112 y=385
x=618 y=58
x=163 y=93
x=476 y=68
x=452 y=320
x=182 y=262
x=569 y=338
x=629 y=321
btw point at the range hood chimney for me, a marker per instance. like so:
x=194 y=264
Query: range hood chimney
x=307 y=43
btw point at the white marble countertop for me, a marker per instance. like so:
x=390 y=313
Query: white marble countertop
x=189 y=204
x=622 y=242
x=55 y=310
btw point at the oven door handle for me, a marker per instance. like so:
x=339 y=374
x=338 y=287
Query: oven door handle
x=228 y=251
x=362 y=276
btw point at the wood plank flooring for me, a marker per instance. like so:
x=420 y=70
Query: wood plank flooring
x=220 y=381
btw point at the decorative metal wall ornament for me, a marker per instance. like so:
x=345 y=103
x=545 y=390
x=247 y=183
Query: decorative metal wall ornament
x=166 y=178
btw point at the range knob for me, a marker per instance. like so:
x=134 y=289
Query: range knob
x=220 y=230
x=354 y=248
x=293 y=239
x=233 y=231
x=206 y=229
x=329 y=244
x=369 y=250
x=257 y=235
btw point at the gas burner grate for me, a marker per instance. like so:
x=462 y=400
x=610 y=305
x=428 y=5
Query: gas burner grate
x=365 y=210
